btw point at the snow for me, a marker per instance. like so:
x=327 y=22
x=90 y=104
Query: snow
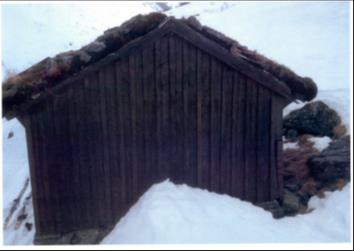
x=36 y=31
x=309 y=37
x=15 y=173
x=290 y=145
x=169 y=213
x=15 y=161
x=320 y=143
x=20 y=235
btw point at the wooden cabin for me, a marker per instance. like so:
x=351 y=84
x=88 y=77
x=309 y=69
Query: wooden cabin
x=156 y=98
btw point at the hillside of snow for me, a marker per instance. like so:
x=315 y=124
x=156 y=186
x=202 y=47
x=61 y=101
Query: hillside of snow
x=312 y=38
x=32 y=32
x=169 y=213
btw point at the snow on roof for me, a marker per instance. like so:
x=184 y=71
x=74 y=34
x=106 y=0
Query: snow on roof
x=26 y=85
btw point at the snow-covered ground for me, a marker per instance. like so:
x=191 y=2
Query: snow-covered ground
x=169 y=213
x=31 y=32
x=311 y=38
x=320 y=143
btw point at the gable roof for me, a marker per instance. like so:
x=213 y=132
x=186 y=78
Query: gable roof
x=50 y=72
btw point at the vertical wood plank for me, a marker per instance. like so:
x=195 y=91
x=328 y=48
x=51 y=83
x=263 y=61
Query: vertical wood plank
x=120 y=101
x=148 y=81
x=164 y=149
x=239 y=130
x=203 y=120
x=226 y=133
x=263 y=152
x=76 y=189
x=142 y=171
x=107 y=82
x=30 y=130
x=173 y=113
x=276 y=132
x=41 y=172
x=99 y=146
x=127 y=122
x=273 y=149
x=250 y=142
x=159 y=109
x=199 y=120
x=154 y=120
x=37 y=188
x=80 y=152
x=176 y=109
x=136 y=105
x=113 y=138
x=83 y=144
x=58 y=169
x=44 y=165
x=190 y=113
x=215 y=117
x=67 y=159
x=92 y=141
x=103 y=149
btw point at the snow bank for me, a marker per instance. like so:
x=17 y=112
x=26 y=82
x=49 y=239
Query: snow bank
x=311 y=38
x=290 y=145
x=320 y=143
x=15 y=161
x=19 y=234
x=15 y=172
x=169 y=213
x=33 y=32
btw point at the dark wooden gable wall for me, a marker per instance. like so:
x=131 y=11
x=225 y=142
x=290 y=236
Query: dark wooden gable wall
x=168 y=110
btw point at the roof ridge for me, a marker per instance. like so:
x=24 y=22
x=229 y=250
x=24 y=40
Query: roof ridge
x=51 y=70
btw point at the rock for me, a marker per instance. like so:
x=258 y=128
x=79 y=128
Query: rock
x=309 y=187
x=96 y=50
x=137 y=26
x=219 y=37
x=87 y=236
x=338 y=185
x=339 y=131
x=10 y=135
x=94 y=47
x=295 y=160
x=21 y=217
x=68 y=62
x=75 y=239
x=84 y=57
x=193 y=22
x=291 y=134
x=303 y=198
x=28 y=226
x=141 y=24
x=332 y=163
x=307 y=190
x=291 y=203
x=315 y=118
x=273 y=207
x=292 y=184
